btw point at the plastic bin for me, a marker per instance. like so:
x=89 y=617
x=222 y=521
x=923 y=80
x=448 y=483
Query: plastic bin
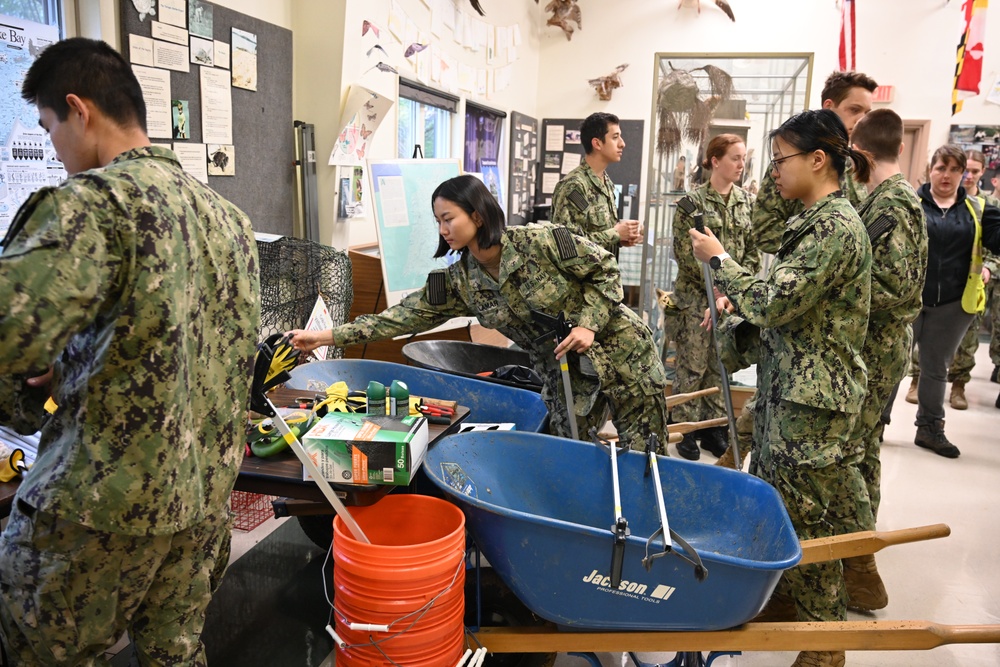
x=467 y=359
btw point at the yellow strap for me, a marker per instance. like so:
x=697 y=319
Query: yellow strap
x=977 y=243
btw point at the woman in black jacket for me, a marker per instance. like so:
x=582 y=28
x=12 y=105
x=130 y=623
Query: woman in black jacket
x=942 y=322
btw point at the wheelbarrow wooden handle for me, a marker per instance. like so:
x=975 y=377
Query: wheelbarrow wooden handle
x=677 y=399
x=824 y=549
x=688 y=427
x=831 y=636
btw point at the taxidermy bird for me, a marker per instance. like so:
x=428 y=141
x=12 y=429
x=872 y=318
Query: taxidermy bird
x=564 y=11
x=721 y=4
x=605 y=85
x=681 y=111
x=478 y=7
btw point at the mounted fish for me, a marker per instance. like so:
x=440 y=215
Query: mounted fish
x=605 y=85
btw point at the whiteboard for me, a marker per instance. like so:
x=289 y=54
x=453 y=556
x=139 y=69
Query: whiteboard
x=404 y=220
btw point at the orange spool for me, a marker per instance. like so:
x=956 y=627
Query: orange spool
x=417 y=554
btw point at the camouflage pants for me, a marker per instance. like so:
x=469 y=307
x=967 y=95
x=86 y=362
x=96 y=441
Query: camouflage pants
x=960 y=368
x=69 y=592
x=884 y=373
x=744 y=432
x=697 y=368
x=821 y=501
x=994 y=314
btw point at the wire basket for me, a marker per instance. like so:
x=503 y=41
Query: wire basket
x=293 y=272
x=250 y=509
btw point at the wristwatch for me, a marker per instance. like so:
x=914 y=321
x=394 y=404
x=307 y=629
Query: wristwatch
x=717 y=260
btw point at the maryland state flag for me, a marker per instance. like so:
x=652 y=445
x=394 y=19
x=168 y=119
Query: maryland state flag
x=848 y=45
x=969 y=57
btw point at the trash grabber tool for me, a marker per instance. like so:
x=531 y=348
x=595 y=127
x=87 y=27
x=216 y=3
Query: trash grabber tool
x=688 y=207
x=559 y=327
x=275 y=357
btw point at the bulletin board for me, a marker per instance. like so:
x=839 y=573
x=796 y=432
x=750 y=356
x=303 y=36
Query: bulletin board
x=523 y=166
x=983 y=138
x=263 y=180
x=625 y=174
x=404 y=220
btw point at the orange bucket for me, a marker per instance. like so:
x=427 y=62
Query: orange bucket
x=416 y=555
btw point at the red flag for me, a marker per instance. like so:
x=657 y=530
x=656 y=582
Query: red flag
x=969 y=56
x=847 y=42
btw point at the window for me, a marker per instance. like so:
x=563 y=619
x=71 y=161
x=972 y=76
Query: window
x=424 y=120
x=47 y=12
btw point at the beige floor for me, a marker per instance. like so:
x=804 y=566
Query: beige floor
x=955 y=580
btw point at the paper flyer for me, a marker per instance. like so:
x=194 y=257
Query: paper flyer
x=363 y=113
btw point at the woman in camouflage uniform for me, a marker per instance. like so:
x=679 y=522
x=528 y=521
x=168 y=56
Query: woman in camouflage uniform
x=726 y=209
x=503 y=277
x=812 y=315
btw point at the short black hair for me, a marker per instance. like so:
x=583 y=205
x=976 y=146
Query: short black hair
x=89 y=69
x=880 y=132
x=472 y=196
x=838 y=85
x=823 y=130
x=595 y=126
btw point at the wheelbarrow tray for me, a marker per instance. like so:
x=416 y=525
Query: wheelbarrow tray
x=487 y=402
x=541 y=509
x=467 y=359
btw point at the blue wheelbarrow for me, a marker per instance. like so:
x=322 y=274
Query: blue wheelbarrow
x=540 y=508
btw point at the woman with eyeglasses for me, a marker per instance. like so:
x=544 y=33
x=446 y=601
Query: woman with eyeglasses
x=951 y=217
x=726 y=210
x=812 y=315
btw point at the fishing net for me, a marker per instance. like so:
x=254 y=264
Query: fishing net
x=293 y=272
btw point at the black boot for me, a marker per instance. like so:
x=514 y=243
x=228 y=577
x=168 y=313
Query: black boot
x=931 y=436
x=688 y=447
x=995 y=376
x=715 y=440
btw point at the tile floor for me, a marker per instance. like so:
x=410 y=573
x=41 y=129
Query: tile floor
x=955 y=580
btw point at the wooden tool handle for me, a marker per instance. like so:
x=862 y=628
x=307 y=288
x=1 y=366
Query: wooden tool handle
x=677 y=399
x=831 y=636
x=867 y=542
x=688 y=427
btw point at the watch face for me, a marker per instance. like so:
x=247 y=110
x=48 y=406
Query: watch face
x=715 y=262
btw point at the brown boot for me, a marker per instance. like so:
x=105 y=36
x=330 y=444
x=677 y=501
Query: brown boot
x=779 y=609
x=931 y=436
x=957 y=398
x=911 y=393
x=820 y=659
x=727 y=460
x=865 y=590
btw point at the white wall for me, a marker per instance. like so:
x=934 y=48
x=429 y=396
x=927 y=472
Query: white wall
x=909 y=44
x=356 y=69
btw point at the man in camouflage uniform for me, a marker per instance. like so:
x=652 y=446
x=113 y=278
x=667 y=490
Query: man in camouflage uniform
x=812 y=315
x=895 y=222
x=138 y=286
x=542 y=268
x=584 y=201
x=849 y=95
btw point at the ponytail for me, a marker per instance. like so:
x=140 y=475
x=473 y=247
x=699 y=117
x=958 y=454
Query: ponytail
x=863 y=163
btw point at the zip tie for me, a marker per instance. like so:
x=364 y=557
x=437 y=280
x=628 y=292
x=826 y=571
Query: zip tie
x=465 y=656
x=333 y=633
x=368 y=627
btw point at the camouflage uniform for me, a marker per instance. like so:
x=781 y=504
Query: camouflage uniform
x=139 y=286
x=585 y=205
x=812 y=311
x=899 y=262
x=960 y=369
x=697 y=363
x=771 y=211
x=545 y=268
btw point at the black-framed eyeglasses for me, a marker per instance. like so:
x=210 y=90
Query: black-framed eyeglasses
x=776 y=162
